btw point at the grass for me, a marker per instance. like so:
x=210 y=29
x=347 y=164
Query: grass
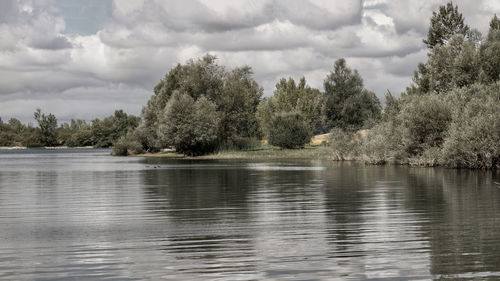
x=264 y=151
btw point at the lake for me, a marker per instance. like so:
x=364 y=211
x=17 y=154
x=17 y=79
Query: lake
x=82 y=214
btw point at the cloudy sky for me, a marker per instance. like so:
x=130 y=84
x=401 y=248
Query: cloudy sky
x=84 y=59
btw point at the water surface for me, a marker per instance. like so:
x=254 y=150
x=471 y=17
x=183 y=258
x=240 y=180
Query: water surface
x=82 y=214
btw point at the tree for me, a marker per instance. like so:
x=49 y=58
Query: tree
x=444 y=24
x=490 y=53
x=424 y=122
x=347 y=104
x=238 y=103
x=48 y=126
x=494 y=31
x=235 y=93
x=289 y=130
x=291 y=97
x=301 y=98
x=190 y=126
x=456 y=64
x=107 y=131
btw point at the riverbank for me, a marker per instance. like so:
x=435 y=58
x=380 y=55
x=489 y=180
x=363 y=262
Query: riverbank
x=264 y=151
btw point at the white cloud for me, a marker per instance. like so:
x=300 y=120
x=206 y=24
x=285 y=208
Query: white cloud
x=117 y=67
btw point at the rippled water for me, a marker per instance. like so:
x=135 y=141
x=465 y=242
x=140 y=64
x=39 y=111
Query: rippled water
x=86 y=215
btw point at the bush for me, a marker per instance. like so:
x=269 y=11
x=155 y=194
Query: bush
x=382 y=144
x=474 y=134
x=344 y=144
x=425 y=121
x=289 y=131
x=127 y=146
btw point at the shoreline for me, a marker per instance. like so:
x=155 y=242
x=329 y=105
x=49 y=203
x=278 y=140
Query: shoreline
x=44 y=147
x=309 y=152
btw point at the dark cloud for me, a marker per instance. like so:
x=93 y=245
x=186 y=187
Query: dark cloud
x=54 y=43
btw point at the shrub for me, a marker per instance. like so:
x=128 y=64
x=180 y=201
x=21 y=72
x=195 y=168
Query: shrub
x=474 y=134
x=344 y=144
x=289 y=130
x=425 y=121
x=383 y=143
x=127 y=146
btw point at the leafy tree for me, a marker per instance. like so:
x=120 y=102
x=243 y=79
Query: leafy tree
x=494 y=31
x=291 y=97
x=347 y=104
x=456 y=64
x=82 y=136
x=235 y=94
x=48 y=126
x=289 y=130
x=264 y=114
x=447 y=22
x=490 y=53
x=392 y=107
x=190 y=126
x=107 y=131
x=16 y=126
x=424 y=122
x=237 y=104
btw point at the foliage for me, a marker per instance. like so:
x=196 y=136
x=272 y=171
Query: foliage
x=460 y=128
x=234 y=93
x=190 y=126
x=424 y=123
x=126 y=145
x=290 y=130
x=291 y=97
x=447 y=22
x=455 y=64
x=474 y=135
x=238 y=104
x=347 y=104
x=105 y=132
x=344 y=144
x=100 y=133
x=48 y=125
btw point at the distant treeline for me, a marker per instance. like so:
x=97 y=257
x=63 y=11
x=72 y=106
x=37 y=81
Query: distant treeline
x=77 y=133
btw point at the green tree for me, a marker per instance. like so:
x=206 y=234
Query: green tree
x=235 y=93
x=291 y=97
x=447 y=22
x=190 y=126
x=347 y=104
x=264 y=114
x=456 y=64
x=490 y=53
x=107 y=131
x=289 y=130
x=48 y=126
x=238 y=103
x=424 y=123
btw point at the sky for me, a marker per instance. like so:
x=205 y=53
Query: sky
x=85 y=59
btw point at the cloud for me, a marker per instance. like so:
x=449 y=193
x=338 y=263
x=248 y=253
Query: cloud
x=116 y=63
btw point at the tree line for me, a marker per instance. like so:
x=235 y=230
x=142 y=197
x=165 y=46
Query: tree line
x=201 y=106
x=76 y=133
